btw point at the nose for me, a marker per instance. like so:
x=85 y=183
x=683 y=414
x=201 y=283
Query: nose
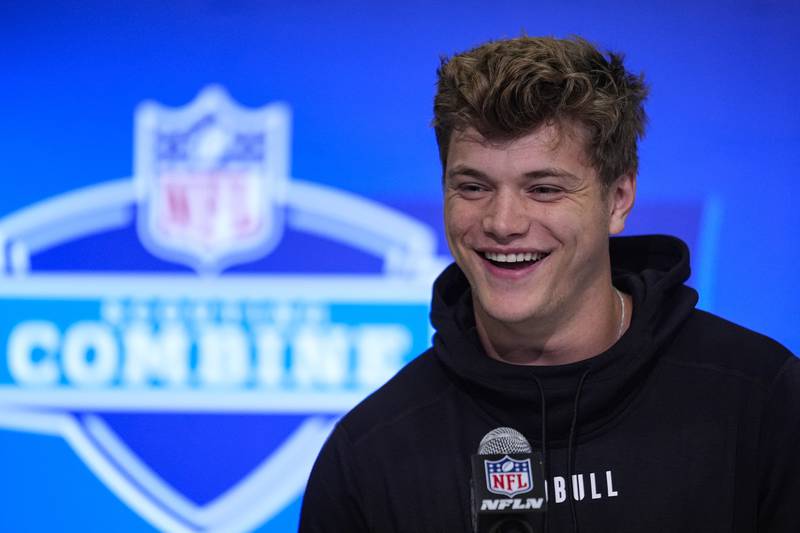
x=505 y=218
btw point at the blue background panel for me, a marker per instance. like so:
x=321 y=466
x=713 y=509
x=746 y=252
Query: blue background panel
x=718 y=165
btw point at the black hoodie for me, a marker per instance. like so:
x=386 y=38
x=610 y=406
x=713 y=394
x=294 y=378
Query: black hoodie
x=687 y=424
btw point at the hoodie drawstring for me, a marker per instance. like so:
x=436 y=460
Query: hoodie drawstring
x=571 y=447
x=544 y=443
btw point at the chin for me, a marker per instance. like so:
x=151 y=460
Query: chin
x=508 y=313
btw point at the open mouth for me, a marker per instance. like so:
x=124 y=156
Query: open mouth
x=514 y=261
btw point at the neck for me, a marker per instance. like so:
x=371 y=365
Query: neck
x=573 y=335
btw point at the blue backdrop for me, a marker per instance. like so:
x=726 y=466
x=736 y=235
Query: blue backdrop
x=717 y=168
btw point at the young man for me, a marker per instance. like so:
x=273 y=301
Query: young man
x=653 y=416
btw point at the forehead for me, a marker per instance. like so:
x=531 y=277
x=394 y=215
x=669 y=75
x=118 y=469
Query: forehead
x=556 y=144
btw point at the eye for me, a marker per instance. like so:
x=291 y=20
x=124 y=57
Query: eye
x=546 y=193
x=471 y=190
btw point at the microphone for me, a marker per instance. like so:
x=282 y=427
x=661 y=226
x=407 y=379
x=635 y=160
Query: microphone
x=507 y=485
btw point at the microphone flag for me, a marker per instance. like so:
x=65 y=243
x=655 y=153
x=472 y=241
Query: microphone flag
x=508 y=490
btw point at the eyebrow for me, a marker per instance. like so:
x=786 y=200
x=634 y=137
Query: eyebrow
x=548 y=172
x=466 y=171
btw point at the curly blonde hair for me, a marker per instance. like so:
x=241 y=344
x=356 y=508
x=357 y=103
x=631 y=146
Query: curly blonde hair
x=506 y=89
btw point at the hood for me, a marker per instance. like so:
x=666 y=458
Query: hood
x=651 y=269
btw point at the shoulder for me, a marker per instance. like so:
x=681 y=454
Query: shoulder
x=707 y=340
x=414 y=390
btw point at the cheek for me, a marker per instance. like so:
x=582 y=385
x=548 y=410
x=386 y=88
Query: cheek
x=452 y=232
x=457 y=220
x=577 y=236
x=565 y=226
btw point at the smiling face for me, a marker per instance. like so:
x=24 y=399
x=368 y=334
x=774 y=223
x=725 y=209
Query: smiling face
x=528 y=222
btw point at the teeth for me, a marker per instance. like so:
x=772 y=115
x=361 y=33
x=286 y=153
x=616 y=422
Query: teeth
x=513 y=258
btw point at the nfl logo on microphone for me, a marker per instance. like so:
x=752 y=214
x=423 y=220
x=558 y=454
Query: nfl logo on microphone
x=508 y=477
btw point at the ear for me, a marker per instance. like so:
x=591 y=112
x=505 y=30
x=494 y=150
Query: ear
x=621 y=195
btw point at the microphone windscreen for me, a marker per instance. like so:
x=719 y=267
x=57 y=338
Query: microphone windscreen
x=503 y=440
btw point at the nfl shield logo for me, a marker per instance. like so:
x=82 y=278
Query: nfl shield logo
x=202 y=406
x=211 y=179
x=508 y=477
